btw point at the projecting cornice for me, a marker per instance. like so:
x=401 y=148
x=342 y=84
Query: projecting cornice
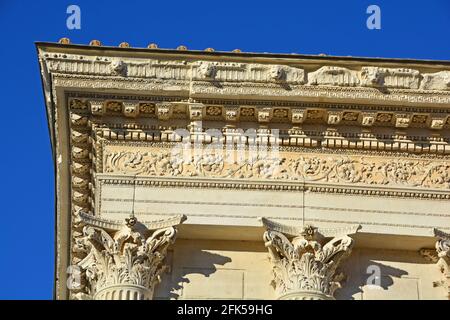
x=128 y=50
x=247 y=76
x=263 y=113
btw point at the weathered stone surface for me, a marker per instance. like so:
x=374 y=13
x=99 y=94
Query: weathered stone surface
x=436 y=81
x=226 y=139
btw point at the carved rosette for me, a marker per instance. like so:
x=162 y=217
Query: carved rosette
x=123 y=262
x=305 y=267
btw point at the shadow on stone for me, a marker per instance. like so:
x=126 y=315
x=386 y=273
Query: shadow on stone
x=203 y=263
x=372 y=273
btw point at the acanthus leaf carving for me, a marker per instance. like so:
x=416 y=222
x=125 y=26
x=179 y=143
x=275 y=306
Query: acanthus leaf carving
x=443 y=255
x=305 y=266
x=121 y=262
x=287 y=167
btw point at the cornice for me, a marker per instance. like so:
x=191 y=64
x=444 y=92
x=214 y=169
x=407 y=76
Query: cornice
x=275 y=81
x=53 y=47
x=261 y=112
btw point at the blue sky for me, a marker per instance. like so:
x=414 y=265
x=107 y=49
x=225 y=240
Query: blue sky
x=409 y=29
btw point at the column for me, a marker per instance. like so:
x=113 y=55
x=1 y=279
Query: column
x=123 y=261
x=443 y=251
x=442 y=259
x=305 y=261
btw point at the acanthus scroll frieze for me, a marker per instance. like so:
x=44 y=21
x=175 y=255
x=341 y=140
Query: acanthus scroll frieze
x=284 y=167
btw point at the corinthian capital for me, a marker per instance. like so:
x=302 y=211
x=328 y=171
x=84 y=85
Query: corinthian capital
x=305 y=260
x=123 y=261
x=441 y=257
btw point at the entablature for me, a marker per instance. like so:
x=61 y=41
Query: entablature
x=360 y=141
x=251 y=76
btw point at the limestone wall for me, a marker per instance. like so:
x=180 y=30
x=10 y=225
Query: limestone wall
x=201 y=269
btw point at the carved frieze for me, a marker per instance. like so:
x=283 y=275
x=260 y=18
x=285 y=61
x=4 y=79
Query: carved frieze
x=374 y=171
x=333 y=76
x=235 y=89
x=275 y=73
x=258 y=73
x=365 y=76
x=390 y=77
x=436 y=81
